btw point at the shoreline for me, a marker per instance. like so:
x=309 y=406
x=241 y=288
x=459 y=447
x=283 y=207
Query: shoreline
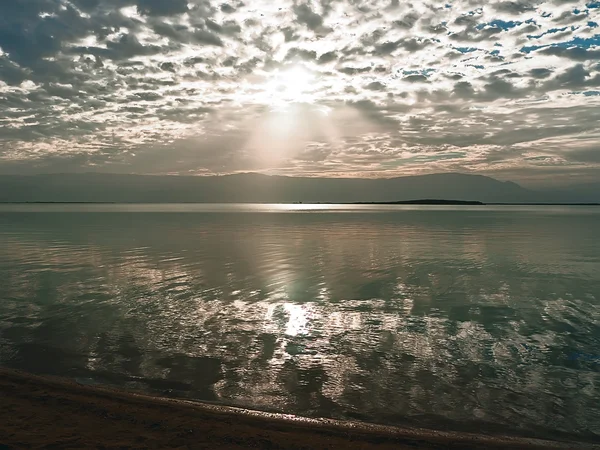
x=424 y=202
x=36 y=411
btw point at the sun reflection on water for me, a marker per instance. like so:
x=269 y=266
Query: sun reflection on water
x=357 y=315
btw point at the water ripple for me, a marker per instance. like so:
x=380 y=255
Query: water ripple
x=473 y=319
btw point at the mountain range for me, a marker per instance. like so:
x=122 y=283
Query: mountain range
x=253 y=187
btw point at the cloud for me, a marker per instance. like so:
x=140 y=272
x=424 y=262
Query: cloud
x=574 y=53
x=162 y=8
x=299 y=53
x=407 y=21
x=306 y=16
x=195 y=86
x=514 y=8
x=327 y=57
x=585 y=155
x=541 y=72
x=417 y=78
x=375 y=86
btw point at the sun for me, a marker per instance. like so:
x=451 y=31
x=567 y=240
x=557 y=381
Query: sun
x=292 y=85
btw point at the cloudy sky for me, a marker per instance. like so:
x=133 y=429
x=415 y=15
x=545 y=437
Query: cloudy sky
x=509 y=89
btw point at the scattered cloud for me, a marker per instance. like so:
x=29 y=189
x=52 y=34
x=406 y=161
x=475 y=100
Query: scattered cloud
x=302 y=87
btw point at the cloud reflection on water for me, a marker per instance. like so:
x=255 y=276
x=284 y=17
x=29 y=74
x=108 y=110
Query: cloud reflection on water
x=412 y=317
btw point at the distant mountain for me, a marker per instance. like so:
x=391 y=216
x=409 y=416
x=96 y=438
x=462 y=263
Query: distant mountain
x=251 y=187
x=588 y=192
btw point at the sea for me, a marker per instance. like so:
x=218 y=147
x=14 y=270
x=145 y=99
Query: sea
x=464 y=318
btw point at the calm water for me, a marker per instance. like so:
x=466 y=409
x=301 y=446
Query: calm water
x=480 y=318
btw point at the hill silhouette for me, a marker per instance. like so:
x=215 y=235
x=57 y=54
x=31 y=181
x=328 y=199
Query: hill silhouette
x=252 y=187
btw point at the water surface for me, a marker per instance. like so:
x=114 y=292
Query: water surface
x=466 y=318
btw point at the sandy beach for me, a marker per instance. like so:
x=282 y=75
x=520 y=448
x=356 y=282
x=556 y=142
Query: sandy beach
x=45 y=412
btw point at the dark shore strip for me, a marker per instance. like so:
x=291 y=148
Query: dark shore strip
x=468 y=203
x=46 y=412
x=434 y=202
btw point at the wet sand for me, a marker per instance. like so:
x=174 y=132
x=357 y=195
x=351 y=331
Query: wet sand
x=45 y=412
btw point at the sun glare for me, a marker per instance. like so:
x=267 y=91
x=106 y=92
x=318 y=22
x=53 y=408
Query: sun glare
x=291 y=85
x=294 y=121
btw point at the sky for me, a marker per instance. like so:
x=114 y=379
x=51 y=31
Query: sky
x=334 y=88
